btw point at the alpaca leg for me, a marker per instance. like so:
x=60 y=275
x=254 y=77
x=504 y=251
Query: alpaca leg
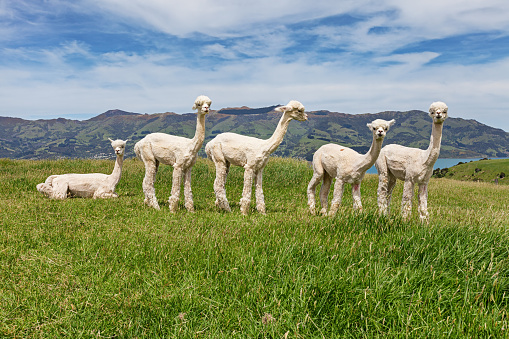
x=317 y=177
x=260 y=200
x=175 y=189
x=188 y=193
x=337 y=197
x=382 y=194
x=246 y=193
x=406 y=204
x=324 y=192
x=356 y=194
x=220 y=188
x=60 y=190
x=45 y=189
x=390 y=188
x=100 y=194
x=423 y=202
x=148 y=184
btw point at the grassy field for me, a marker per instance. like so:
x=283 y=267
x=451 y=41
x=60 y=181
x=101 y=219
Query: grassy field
x=115 y=268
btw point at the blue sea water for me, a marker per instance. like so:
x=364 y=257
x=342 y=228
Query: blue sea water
x=441 y=163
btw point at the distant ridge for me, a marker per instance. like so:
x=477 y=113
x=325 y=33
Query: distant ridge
x=63 y=138
x=247 y=110
x=111 y=113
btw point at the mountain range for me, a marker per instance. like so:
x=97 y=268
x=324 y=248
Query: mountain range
x=66 y=138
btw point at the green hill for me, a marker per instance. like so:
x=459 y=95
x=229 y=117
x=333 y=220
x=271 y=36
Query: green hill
x=480 y=171
x=64 y=138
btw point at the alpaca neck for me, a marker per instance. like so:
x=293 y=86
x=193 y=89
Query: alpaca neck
x=368 y=159
x=117 y=170
x=199 y=135
x=433 y=150
x=275 y=140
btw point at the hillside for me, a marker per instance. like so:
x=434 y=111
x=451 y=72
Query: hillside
x=478 y=171
x=57 y=138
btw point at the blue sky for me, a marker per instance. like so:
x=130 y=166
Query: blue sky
x=77 y=59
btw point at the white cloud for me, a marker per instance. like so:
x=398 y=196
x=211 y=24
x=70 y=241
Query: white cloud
x=141 y=83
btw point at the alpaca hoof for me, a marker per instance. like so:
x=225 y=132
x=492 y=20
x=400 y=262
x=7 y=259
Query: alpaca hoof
x=173 y=202
x=244 y=207
x=323 y=211
x=312 y=210
x=223 y=205
x=152 y=203
x=261 y=209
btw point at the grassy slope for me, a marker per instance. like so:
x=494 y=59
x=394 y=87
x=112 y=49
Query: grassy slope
x=489 y=170
x=95 y=268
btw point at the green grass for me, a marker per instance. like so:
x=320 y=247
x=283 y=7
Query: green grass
x=488 y=171
x=115 y=268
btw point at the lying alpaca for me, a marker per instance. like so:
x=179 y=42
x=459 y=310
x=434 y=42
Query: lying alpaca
x=412 y=165
x=179 y=152
x=251 y=153
x=95 y=185
x=347 y=166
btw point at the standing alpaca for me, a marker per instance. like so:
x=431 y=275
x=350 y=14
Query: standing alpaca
x=347 y=166
x=412 y=165
x=251 y=153
x=179 y=152
x=95 y=185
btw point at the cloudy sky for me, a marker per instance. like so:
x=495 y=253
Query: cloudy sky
x=77 y=59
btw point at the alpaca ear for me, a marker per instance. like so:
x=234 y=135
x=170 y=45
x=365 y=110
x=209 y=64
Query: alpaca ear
x=392 y=122
x=194 y=106
x=282 y=109
x=369 y=125
x=110 y=140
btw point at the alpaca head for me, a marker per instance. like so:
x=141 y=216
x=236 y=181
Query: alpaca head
x=118 y=145
x=295 y=110
x=202 y=104
x=380 y=127
x=438 y=112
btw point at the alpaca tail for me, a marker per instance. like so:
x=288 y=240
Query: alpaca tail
x=137 y=150
x=208 y=150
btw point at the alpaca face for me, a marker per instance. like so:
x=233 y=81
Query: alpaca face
x=379 y=127
x=118 y=146
x=202 y=104
x=295 y=109
x=438 y=112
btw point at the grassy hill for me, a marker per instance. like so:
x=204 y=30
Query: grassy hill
x=57 y=138
x=479 y=171
x=115 y=268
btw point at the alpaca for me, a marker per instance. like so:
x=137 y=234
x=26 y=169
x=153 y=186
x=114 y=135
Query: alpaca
x=412 y=165
x=95 y=185
x=179 y=152
x=251 y=153
x=347 y=166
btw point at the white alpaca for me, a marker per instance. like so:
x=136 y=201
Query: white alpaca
x=251 y=153
x=95 y=185
x=347 y=166
x=412 y=165
x=179 y=152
